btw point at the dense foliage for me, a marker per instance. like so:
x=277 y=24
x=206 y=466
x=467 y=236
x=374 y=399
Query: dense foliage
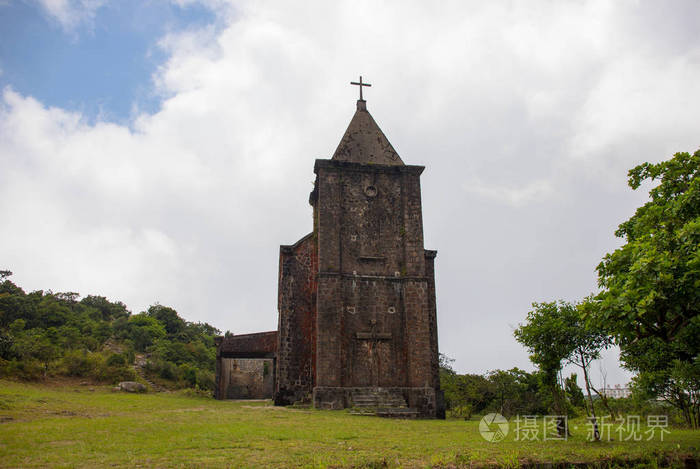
x=44 y=334
x=650 y=300
x=556 y=334
x=508 y=392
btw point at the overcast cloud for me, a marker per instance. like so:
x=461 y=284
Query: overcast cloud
x=527 y=116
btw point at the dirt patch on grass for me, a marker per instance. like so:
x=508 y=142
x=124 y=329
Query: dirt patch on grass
x=274 y=407
x=189 y=409
x=60 y=443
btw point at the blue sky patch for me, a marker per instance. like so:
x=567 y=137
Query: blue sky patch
x=103 y=67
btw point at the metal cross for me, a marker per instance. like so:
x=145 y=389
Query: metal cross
x=360 y=84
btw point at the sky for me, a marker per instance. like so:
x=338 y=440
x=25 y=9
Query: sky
x=160 y=151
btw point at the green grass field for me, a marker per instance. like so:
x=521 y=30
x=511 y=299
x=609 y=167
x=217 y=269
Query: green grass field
x=84 y=426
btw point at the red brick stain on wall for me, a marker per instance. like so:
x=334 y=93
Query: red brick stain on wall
x=296 y=373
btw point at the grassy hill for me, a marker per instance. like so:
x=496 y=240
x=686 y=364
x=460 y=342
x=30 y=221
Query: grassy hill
x=69 y=425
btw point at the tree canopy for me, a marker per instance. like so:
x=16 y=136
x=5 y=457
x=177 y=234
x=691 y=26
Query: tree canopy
x=650 y=296
x=651 y=284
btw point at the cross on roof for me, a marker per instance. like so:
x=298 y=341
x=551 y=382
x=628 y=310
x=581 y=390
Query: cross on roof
x=360 y=84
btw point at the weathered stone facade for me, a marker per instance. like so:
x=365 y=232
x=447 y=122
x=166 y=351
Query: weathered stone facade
x=296 y=364
x=357 y=313
x=245 y=366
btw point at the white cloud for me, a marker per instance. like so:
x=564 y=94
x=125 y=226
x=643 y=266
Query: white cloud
x=71 y=13
x=641 y=105
x=540 y=108
x=515 y=196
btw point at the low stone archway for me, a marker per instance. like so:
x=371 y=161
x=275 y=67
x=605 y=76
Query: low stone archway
x=245 y=366
x=247 y=378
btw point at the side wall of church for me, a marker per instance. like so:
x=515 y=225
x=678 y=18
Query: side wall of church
x=434 y=353
x=297 y=321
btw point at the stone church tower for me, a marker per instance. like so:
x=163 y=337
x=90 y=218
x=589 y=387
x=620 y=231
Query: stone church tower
x=357 y=314
x=357 y=318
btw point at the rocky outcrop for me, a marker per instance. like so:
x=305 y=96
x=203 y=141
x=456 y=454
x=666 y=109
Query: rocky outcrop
x=131 y=386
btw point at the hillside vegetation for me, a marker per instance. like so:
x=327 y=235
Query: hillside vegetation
x=46 y=334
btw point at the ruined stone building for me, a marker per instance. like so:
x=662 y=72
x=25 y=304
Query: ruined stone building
x=357 y=316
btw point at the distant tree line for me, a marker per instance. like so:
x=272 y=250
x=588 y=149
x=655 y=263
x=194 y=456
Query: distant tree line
x=45 y=334
x=508 y=392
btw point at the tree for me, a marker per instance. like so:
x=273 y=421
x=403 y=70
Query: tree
x=662 y=374
x=573 y=391
x=556 y=334
x=508 y=386
x=108 y=310
x=542 y=335
x=6 y=345
x=144 y=331
x=35 y=344
x=651 y=285
x=168 y=317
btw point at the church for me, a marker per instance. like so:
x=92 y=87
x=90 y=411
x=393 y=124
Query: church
x=357 y=324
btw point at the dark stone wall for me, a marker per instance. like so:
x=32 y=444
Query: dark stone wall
x=432 y=308
x=255 y=345
x=369 y=219
x=297 y=321
x=376 y=318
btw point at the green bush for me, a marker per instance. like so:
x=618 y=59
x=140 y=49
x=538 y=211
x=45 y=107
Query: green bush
x=94 y=365
x=188 y=374
x=116 y=360
x=205 y=380
x=462 y=412
x=80 y=363
x=129 y=354
x=163 y=369
x=28 y=370
x=115 y=374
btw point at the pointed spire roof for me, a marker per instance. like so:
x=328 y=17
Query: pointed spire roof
x=364 y=142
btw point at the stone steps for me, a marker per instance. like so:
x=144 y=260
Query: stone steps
x=138 y=366
x=391 y=412
x=397 y=413
x=382 y=403
x=379 y=403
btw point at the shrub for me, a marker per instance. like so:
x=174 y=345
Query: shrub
x=80 y=363
x=6 y=345
x=462 y=412
x=162 y=368
x=28 y=370
x=189 y=374
x=116 y=360
x=115 y=374
x=205 y=380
